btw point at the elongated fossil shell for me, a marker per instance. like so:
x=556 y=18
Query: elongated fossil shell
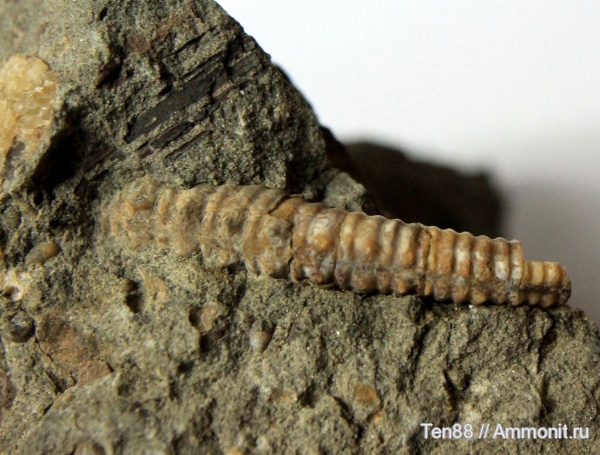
x=281 y=236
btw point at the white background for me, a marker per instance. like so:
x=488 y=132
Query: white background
x=511 y=87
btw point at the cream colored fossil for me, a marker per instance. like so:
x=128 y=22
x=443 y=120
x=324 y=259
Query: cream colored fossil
x=277 y=235
x=28 y=102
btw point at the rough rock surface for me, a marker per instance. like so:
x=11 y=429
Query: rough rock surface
x=109 y=350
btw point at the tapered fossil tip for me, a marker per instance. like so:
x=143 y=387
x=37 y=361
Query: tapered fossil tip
x=544 y=284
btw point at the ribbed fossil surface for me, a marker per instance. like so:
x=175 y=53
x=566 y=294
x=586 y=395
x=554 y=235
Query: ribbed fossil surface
x=280 y=236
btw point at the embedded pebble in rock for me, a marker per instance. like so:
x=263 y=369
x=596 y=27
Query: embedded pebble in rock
x=20 y=327
x=42 y=252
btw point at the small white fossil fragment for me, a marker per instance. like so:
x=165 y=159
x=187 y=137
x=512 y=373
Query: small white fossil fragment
x=261 y=334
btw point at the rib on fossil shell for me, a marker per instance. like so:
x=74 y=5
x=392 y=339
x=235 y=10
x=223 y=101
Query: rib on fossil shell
x=278 y=235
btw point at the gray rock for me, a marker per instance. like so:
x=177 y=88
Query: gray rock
x=110 y=350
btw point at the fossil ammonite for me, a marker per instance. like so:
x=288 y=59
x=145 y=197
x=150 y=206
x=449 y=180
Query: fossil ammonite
x=283 y=236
